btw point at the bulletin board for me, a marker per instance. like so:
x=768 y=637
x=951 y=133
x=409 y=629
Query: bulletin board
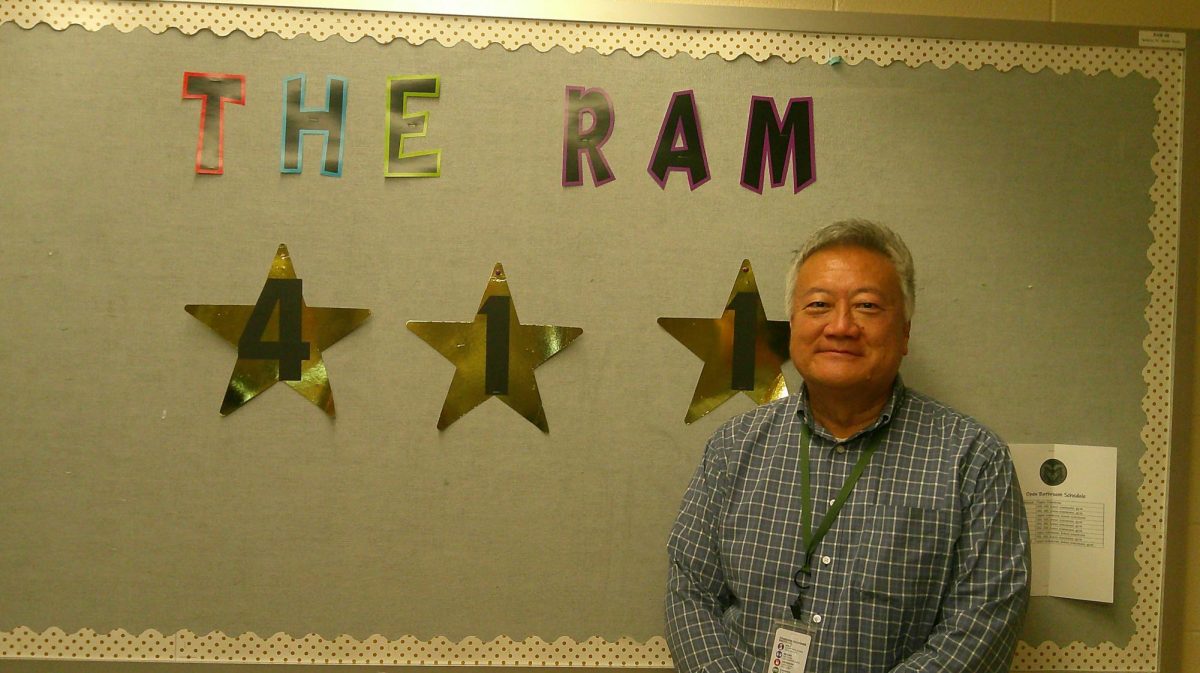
x=149 y=518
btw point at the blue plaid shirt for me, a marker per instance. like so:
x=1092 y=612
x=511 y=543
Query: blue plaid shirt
x=925 y=569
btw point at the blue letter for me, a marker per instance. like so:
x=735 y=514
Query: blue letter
x=299 y=121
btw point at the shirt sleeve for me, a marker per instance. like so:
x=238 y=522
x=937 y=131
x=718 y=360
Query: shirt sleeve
x=695 y=636
x=982 y=612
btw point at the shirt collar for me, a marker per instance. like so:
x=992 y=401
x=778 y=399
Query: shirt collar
x=895 y=401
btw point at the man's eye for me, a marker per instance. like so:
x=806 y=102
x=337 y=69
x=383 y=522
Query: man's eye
x=818 y=304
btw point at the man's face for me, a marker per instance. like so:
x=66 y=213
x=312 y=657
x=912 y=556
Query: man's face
x=848 y=327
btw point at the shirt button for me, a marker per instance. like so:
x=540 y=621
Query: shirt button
x=831 y=502
x=841 y=448
x=816 y=619
x=826 y=560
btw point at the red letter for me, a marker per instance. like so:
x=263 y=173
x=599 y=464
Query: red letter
x=210 y=158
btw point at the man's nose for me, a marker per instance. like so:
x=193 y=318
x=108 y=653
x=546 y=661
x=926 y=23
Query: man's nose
x=842 y=323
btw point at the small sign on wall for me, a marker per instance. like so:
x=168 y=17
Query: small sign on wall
x=1071 y=502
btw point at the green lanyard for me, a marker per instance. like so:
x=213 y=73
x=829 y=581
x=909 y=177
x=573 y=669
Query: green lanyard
x=812 y=539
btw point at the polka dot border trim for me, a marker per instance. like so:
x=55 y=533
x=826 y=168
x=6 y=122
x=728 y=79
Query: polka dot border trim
x=216 y=647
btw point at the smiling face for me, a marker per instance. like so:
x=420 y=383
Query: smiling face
x=849 y=332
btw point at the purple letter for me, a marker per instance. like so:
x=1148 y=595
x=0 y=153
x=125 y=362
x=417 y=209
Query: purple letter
x=577 y=142
x=769 y=139
x=680 y=145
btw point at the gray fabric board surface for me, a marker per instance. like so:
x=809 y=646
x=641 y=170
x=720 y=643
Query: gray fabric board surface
x=130 y=503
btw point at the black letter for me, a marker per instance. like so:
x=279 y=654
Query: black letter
x=577 y=142
x=767 y=135
x=681 y=122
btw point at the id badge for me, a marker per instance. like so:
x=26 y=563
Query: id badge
x=790 y=643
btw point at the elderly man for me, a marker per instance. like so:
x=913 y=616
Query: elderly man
x=856 y=526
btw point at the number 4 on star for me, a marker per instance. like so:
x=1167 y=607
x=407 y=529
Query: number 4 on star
x=279 y=338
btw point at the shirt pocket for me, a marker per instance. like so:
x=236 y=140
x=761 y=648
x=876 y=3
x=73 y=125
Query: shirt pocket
x=905 y=558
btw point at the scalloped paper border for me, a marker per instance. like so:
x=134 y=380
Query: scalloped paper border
x=216 y=647
x=1163 y=66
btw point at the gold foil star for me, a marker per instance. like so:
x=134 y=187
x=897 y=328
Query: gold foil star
x=279 y=338
x=742 y=350
x=494 y=355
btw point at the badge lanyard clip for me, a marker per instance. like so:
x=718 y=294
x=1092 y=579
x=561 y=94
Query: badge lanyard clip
x=803 y=575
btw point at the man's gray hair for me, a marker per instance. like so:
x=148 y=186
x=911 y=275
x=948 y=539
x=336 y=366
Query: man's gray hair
x=860 y=234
